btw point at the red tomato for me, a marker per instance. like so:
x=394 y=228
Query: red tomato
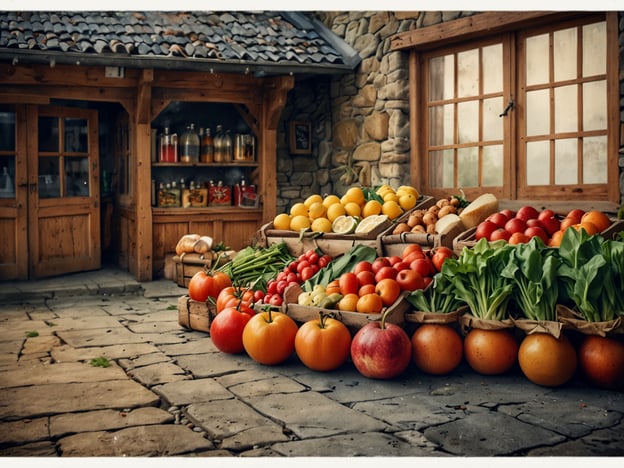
x=394 y=259
x=576 y=215
x=518 y=238
x=202 y=286
x=379 y=263
x=410 y=280
x=402 y=265
x=500 y=234
x=414 y=256
x=307 y=273
x=348 y=283
x=389 y=290
x=411 y=248
x=364 y=265
x=485 y=229
x=602 y=361
x=423 y=267
x=490 y=352
x=436 y=349
x=527 y=212
x=276 y=300
x=226 y=330
x=515 y=225
x=258 y=295
x=365 y=277
x=312 y=257
x=440 y=254
x=509 y=213
x=385 y=272
x=323 y=344
x=269 y=337
x=232 y=295
x=324 y=261
x=551 y=225
x=498 y=218
x=222 y=280
x=536 y=231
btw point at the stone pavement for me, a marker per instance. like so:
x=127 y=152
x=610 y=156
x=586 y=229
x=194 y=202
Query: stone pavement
x=169 y=392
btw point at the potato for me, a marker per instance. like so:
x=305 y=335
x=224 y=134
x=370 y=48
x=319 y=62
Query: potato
x=401 y=228
x=414 y=219
x=419 y=228
x=429 y=218
x=445 y=210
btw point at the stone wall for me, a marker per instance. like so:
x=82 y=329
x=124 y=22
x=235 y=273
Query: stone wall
x=360 y=121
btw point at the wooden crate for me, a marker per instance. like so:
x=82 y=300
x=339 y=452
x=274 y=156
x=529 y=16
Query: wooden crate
x=195 y=315
x=187 y=264
x=353 y=320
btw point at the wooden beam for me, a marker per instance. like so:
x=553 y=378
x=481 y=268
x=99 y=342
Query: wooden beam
x=275 y=99
x=142 y=196
x=64 y=75
x=8 y=97
x=144 y=97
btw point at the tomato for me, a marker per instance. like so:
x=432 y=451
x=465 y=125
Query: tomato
x=414 y=256
x=498 y=218
x=233 y=295
x=307 y=273
x=602 y=361
x=423 y=267
x=258 y=295
x=222 y=280
x=509 y=213
x=410 y=280
x=527 y=212
x=226 y=330
x=348 y=283
x=518 y=238
x=410 y=249
x=394 y=259
x=575 y=215
x=515 y=225
x=386 y=272
x=546 y=360
x=276 y=300
x=312 y=257
x=378 y=263
x=485 y=229
x=389 y=290
x=441 y=254
x=536 y=231
x=323 y=344
x=365 y=277
x=370 y=303
x=202 y=286
x=500 y=234
x=490 y=352
x=269 y=337
x=324 y=261
x=436 y=349
x=364 y=265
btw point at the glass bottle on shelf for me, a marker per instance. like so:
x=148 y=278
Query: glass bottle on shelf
x=207 y=147
x=168 y=147
x=218 y=145
x=227 y=147
x=189 y=143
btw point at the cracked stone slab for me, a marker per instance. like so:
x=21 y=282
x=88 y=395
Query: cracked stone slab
x=192 y=391
x=214 y=364
x=192 y=347
x=158 y=374
x=100 y=337
x=106 y=420
x=67 y=353
x=154 y=327
x=603 y=443
x=245 y=376
x=310 y=414
x=143 y=441
x=40 y=400
x=35 y=449
x=84 y=322
x=162 y=338
x=226 y=418
x=273 y=385
x=491 y=434
x=155 y=316
x=24 y=430
x=143 y=360
x=40 y=344
x=17 y=330
x=254 y=437
x=369 y=444
x=40 y=374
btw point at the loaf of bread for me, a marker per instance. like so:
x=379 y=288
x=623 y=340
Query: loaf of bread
x=203 y=245
x=479 y=209
x=186 y=243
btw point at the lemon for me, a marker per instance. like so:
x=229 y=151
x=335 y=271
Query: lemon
x=299 y=222
x=369 y=224
x=316 y=210
x=313 y=199
x=282 y=222
x=335 y=210
x=405 y=189
x=353 y=208
x=390 y=196
x=299 y=209
x=321 y=225
x=356 y=195
x=344 y=224
x=372 y=207
x=330 y=200
x=392 y=209
x=407 y=201
x=383 y=189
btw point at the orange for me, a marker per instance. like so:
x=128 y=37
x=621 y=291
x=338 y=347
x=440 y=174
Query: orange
x=567 y=222
x=597 y=218
x=436 y=348
x=555 y=240
x=590 y=228
x=282 y=222
x=348 y=302
x=366 y=289
x=518 y=238
x=299 y=222
x=316 y=210
x=369 y=304
x=332 y=287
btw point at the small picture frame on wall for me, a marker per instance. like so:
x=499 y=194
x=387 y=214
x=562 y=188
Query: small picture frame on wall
x=300 y=138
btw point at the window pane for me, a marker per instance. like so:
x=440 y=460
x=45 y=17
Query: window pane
x=537 y=113
x=595 y=160
x=566 y=119
x=538 y=163
x=468 y=121
x=537 y=59
x=49 y=182
x=493 y=166
x=441 y=125
x=7 y=177
x=76 y=177
x=7 y=131
x=492 y=123
x=468 y=73
x=441 y=170
x=467 y=167
x=76 y=140
x=566 y=161
x=594 y=49
x=441 y=78
x=493 y=68
x=48 y=134
x=564 y=54
x=595 y=105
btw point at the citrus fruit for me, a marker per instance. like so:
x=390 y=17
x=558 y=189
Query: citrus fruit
x=353 y=209
x=313 y=199
x=407 y=201
x=282 y=222
x=405 y=189
x=335 y=210
x=391 y=196
x=348 y=302
x=370 y=223
x=356 y=195
x=597 y=218
x=383 y=189
x=299 y=222
x=369 y=304
x=299 y=209
x=372 y=207
x=392 y=209
x=316 y=210
x=344 y=224
x=321 y=225
x=330 y=200
x=590 y=228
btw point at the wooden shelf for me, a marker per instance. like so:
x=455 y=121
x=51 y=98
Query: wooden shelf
x=200 y=164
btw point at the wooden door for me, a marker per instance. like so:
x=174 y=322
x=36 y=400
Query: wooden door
x=63 y=191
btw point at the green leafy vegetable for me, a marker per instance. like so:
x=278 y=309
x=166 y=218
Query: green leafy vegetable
x=439 y=297
x=346 y=262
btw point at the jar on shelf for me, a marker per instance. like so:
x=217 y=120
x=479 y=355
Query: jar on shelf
x=244 y=147
x=168 y=147
x=207 y=147
x=189 y=145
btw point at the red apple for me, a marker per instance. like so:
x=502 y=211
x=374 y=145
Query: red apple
x=576 y=215
x=379 y=263
x=385 y=272
x=402 y=265
x=536 y=231
x=498 y=218
x=485 y=229
x=527 y=212
x=515 y=225
x=500 y=234
x=551 y=225
x=394 y=259
x=534 y=222
x=423 y=267
x=509 y=213
x=545 y=214
x=381 y=350
x=364 y=265
x=365 y=277
x=410 y=280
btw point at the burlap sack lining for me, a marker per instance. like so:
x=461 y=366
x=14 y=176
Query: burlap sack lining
x=574 y=321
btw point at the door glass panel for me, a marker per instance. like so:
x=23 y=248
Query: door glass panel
x=441 y=125
x=76 y=140
x=467 y=167
x=7 y=177
x=492 y=123
x=538 y=163
x=468 y=121
x=7 y=131
x=564 y=54
x=493 y=166
x=441 y=164
x=441 y=78
x=49 y=181
x=566 y=161
x=595 y=160
x=566 y=119
x=76 y=177
x=493 y=68
x=537 y=113
x=594 y=48
x=468 y=73
x=48 y=134
x=595 y=105
x=537 y=59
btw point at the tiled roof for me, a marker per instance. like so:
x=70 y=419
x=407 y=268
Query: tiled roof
x=200 y=39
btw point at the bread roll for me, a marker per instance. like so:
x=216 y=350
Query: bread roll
x=480 y=208
x=186 y=243
x=203 y=245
